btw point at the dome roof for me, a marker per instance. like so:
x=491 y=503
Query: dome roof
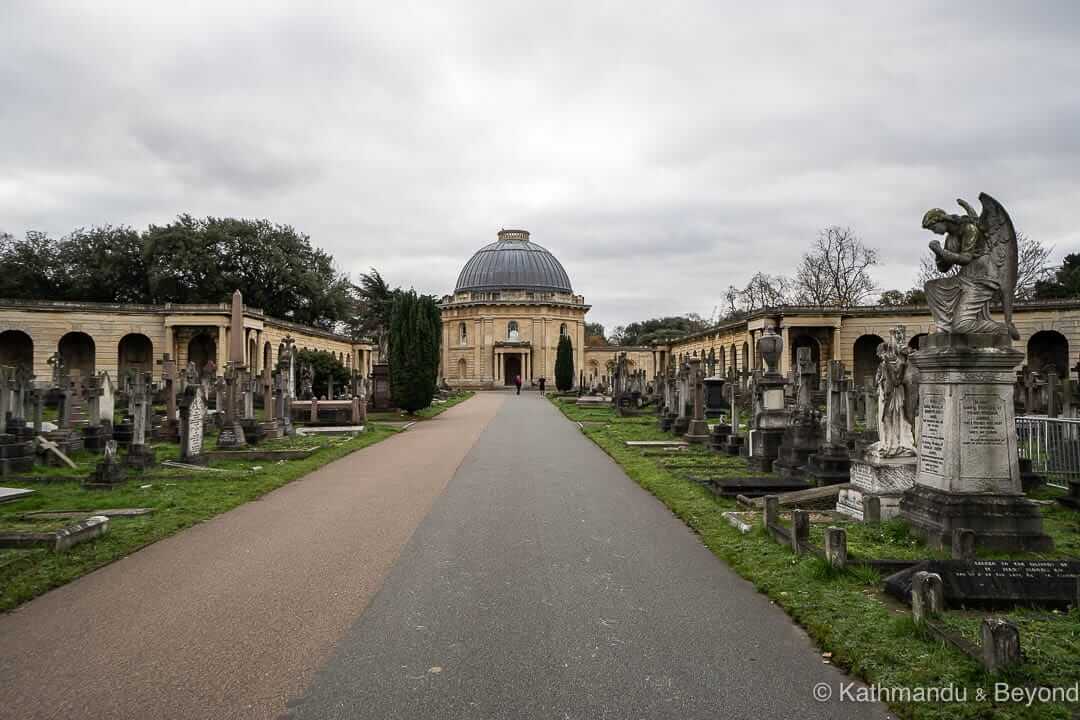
x=513 y=263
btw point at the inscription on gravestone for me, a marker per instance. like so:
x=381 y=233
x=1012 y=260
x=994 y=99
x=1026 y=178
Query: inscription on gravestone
x=1050 y=583
x=932 y=440
x=982 y=431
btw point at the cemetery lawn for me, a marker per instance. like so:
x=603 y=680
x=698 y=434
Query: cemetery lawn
x=848 y=615
x=179 y=498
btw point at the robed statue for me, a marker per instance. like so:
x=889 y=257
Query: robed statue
x=984 y=248
x=898 y=396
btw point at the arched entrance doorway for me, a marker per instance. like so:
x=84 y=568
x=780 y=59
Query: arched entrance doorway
x=511 y=368
x=913 y=343
x=16 y=349
x=201 y=350
x=1048 y=349
x=135 y=351
x=866 y=359
x=78 y=353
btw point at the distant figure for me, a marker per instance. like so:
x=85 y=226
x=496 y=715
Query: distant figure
x=542 y=381
x=517 y=383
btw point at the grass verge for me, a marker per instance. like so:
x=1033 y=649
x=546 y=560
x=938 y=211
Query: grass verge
x=180 y=498
x=862 y=630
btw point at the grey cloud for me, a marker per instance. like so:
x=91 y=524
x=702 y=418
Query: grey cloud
x=662 y=152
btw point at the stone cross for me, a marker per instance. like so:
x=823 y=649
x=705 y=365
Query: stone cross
x=1029 y=380
x=7 y=380
x=871 y=404
x=140 y=400
x=168 y=377
x=56 y=362
x=849 y=403
x=807 y=371
x=290 y=369
x=37 y=399
x=49 y=445
x=834 y=398
x=1052 y=385
x=67 y=395
x=93 y=389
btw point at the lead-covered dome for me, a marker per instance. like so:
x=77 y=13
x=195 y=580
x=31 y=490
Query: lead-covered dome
x=513 y=263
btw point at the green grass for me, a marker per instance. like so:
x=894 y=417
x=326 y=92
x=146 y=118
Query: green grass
x=180 y=498
x=845 y=612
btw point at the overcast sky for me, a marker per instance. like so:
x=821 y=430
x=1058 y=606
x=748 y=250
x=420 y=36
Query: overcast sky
x=662 y=151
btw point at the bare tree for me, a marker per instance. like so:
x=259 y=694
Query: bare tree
x=1031 y=267
x=836 y=270
x=764 y=291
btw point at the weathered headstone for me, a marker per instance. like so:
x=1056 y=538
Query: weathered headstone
x=96 y=433
x=193 y=412
x=140 y=455
x=232 y=433
x=803 y=434
x=831 y=464
x=697 y=430
x=109 y=472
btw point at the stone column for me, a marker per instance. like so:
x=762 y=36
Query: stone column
x=785 y=358
x=222 y=348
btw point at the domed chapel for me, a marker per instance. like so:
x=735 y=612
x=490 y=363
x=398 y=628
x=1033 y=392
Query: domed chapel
x=512 y=302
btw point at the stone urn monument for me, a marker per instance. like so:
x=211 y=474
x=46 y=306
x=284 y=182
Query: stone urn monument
x=967 y=473
x=770 y=415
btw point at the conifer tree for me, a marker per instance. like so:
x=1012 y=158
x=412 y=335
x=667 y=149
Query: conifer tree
x=564 y=365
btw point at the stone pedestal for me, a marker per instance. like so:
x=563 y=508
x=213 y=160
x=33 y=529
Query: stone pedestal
x=968 y=470
x=734 y=444
x=719 y=437
x=680 y=425
x=885 y=479
x=140 y=456
x=95 y=437
x=715 y=405
x=801 y=439
x=123 y=432
x=764 y=448
x=16 y=456
x=770 y=424
x=830 y=465
x=667 y=421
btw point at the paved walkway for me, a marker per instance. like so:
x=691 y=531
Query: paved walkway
x=540 y=582
x=230 y=619
x=546 y=584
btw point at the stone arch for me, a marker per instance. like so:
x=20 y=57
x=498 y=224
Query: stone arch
x=462 y=368
x=17 y=349
x=746 y=355
x=722 y=362
x=866 y=359
x=806 y=341
x=913 y=343
x=1048 y=349
x=594 y=367
x=201 y=350
x=135 y=351
x=562 y=330
x=79 y=352
x=252 y=355
x=512 y=330
x=268 y=356
x=734 y=358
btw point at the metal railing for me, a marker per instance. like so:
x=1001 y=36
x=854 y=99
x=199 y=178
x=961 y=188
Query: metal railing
x=1052 y=445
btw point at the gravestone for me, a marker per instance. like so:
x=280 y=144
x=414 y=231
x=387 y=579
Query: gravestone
x=996 y=583
x=682 y=396
x=107 y=399
x=733 y=443
x=140 y=455
x=169 y=430
x=831 y=464
x=24 y=381
x=968 y=473
x=193 y=411
x=714 y=397
x=697 y=430
x=887 y=468
x=232 y=433
x=109 y=472
x=96 y=433
x=770 y=419
x=803 y=434
x=380 y=392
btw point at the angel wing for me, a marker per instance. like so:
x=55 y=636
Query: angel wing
x=1001 y=241
x=1000 y=235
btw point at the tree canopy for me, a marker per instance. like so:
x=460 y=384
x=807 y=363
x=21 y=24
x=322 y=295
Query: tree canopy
x=415 y=339
x=190 y=260
x=657 y=330
x=564 y=365
x=1065 y=282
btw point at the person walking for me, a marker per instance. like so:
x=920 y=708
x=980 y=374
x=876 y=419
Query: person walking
x=542 y=381
x=517 y=383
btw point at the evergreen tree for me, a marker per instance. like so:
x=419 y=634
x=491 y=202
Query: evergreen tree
x=415 y=334
x=564 y=365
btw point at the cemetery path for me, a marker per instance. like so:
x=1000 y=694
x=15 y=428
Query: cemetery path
x=545 y=583
x=230 y=618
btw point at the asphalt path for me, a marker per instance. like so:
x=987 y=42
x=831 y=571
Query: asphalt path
x=231 y=618
x=544 y=583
